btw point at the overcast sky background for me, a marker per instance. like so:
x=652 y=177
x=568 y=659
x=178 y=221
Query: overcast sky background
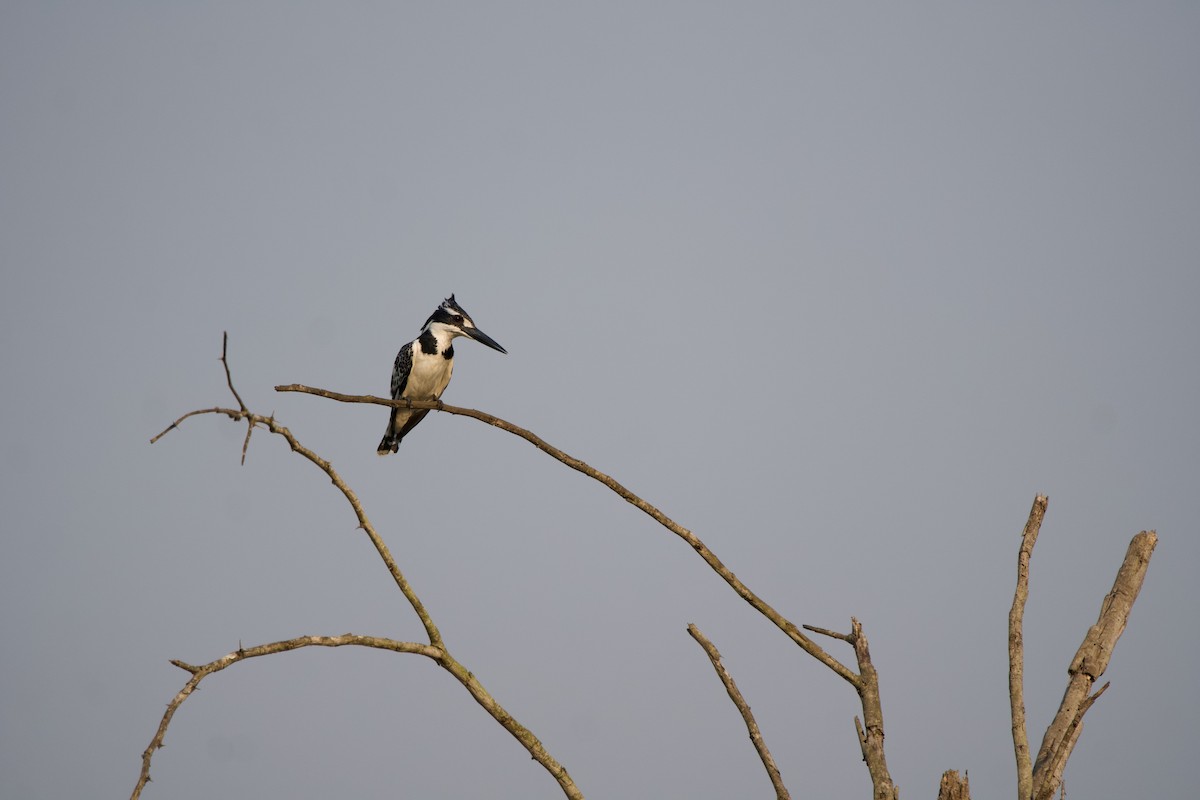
x=838 y=286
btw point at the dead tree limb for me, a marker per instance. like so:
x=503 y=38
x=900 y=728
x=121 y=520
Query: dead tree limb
x=199 y=673
x=870 y=730
x=1090 y=662
x=954 y=787
x=1036 y=781
x=743 y=591
x=865 y=684
x=1040 y=779
x=1016 y=649
x=743 y=708
x=435 y=637
x=436 y=648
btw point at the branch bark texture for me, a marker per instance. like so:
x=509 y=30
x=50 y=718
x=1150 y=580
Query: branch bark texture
x=870 y=730
x=954 y=786
x=1016 y=649
x=743 y=708
x=1090 y=662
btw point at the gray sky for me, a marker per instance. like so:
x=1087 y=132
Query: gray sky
x=839 y=287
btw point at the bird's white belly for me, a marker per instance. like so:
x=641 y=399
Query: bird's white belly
x=429 y=377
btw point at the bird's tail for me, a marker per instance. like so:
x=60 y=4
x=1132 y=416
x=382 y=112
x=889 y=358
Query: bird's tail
x=390 y=442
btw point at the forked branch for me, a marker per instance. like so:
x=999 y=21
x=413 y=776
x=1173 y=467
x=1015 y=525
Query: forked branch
x=710 y=558
x=1036 y=781
x=435 y=650
x=865 y=681
x=1040 y=779
x=870 y=733
x=435 y=637
x=870 y=736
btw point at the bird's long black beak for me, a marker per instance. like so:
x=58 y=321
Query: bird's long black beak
x=483 y=338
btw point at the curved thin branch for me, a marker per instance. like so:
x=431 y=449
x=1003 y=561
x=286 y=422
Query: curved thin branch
x=435 y=649
x=710 y=558
x=175 y=424
x=229 y=377
x=743 y=708
x=435 y=637
x=241 y=654
x=437 y=654
x=238 y=397
x=1016 y=649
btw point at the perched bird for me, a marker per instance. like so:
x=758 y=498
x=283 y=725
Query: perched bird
x=424 y=365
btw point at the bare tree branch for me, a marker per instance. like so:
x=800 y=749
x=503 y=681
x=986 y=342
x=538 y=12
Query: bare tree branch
x=437 y=654
x=870 y=734
x=845 y=637
x=435 y=649
x=865 y=682
x=229 y=377
x=175 y=424
x=1090 y=662
x=1035 y=782
x=241 y=654
x=954 y=787
x=238 y=397
x=710 y=558
x=435 y=637
x=1066 y=746
x=1016 y=649
x=743 y=707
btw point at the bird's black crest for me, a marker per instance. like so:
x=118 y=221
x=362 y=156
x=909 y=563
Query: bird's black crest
x=446 y=310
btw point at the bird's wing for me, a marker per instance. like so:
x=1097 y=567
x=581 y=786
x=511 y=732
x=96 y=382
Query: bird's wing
x=400 y=371
x=413 y=417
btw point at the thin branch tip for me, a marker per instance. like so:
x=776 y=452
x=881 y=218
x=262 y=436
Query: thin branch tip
x=845 y=637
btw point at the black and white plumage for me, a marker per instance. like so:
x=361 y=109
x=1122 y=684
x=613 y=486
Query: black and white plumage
x=424 y=366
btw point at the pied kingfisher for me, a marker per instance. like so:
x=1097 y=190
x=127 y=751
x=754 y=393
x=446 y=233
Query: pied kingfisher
x=424 y=365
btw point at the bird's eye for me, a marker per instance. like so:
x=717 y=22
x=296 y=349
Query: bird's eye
x=458 y=318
